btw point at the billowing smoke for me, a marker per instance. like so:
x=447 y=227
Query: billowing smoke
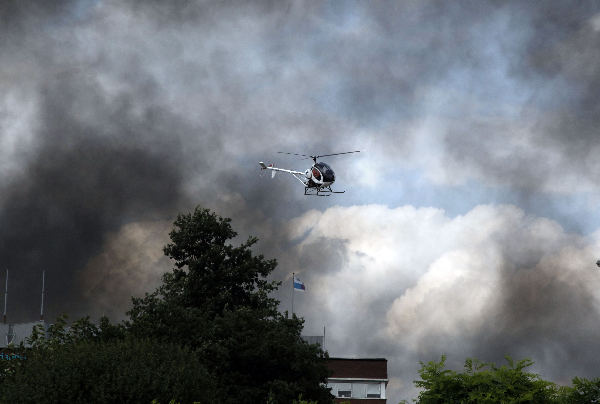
x=412 y=284
x=116 y=115
x=95 y=166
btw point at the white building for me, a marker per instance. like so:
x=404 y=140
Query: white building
x=361 y=381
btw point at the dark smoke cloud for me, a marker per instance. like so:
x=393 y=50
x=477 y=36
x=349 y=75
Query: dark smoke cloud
x=84 y=179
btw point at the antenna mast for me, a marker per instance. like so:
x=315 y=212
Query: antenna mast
x=43 y=292
x=5 y=296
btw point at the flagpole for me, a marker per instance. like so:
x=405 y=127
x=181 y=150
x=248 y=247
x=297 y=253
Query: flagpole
x=293 y=294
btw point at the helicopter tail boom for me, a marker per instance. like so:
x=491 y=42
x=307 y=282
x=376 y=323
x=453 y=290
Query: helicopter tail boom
x=263 y=166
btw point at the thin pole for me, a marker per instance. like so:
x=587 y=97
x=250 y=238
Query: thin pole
x=5 y=296
x=43 y=290
x=323 y=337
x=293 y=294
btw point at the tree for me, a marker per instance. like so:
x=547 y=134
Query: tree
x=216 y=301
x=124 y=371
x=210 y=278
x=483 y=383
x=83 y=329
x=584 y=391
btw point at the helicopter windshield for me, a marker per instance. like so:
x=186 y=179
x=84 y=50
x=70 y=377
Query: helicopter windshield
x=328 y=174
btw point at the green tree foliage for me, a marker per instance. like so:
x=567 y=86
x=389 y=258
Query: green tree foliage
x=82 y=329
x=216 y=301
x=210 y=277
x=583 y=391
x=123 y=371
x=483 y=383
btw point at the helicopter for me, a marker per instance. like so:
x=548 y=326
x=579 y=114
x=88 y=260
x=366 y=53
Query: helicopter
x=317 y=180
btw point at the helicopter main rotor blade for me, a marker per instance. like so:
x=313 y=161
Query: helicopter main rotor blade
x=335 y=154
x=295 y=154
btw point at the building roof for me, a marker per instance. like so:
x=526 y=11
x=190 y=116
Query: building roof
x=364 y=368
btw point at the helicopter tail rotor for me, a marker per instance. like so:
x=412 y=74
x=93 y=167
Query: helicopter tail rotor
x=264 y=166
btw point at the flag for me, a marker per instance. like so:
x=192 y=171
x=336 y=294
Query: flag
x=298 y=285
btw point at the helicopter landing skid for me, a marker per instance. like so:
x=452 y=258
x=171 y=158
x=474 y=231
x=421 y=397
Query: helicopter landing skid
x=320 y=191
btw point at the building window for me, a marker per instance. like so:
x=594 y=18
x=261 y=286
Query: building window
x=359 y=390
x=345 y=390
x=355 y=390
x=374 y=390
x=341 y=389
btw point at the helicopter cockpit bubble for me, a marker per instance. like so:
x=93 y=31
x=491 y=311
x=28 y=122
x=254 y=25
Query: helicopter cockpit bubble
x=326 y=171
